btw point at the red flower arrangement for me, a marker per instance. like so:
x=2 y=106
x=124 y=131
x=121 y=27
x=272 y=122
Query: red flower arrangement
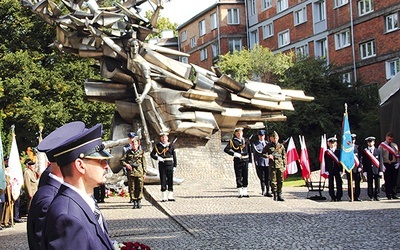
x=134 y=246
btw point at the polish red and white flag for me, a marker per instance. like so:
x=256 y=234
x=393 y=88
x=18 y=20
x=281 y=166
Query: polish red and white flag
x=321 y=156
x=304 y=160
x=291 y=159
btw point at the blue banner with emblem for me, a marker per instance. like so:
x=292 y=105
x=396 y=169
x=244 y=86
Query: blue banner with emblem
x=347 y=146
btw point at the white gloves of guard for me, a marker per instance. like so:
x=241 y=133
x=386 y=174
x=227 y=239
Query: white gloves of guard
x=160 y=159
x=237 y=155
x=397 y=165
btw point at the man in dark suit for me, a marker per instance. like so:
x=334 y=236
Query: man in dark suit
x=373 y=167
x=73 y=220
x=335 y=169
x=51 y=182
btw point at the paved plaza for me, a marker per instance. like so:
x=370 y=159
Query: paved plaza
x=208 y=215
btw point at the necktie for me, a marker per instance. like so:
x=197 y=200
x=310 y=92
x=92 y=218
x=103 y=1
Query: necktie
x=97 y=215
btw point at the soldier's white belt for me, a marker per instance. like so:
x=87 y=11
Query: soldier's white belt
x=244 y=157
x=168 y=159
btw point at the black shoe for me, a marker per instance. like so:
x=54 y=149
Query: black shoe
x=389 y=197
x=240 y=196
x=377 y=198
x=357 y=199
x=138 y=204
x=280 y=198
x=268 y=194
x=131 y=201
x=18 y=220
x=134 y=204
x=395 y=197
x=246 y=196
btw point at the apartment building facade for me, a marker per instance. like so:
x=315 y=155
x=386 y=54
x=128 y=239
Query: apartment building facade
x=215 y=31
x=359 y=36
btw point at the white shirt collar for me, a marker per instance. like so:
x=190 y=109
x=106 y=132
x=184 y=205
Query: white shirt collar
x=55 y=177
x=89 y=200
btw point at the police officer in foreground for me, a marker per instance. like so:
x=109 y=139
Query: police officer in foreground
x=73 y=220
x=276 y=153
x=240 y=149
x=135 y=164
x=373 y=167
x=164 y=152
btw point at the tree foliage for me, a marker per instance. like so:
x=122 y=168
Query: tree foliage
x=163 y=23
x=257 y=63
x=40 y=86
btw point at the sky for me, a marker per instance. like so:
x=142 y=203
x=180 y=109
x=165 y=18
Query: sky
x=179 y=11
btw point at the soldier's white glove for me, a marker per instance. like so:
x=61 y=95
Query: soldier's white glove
x=397 y=165
x=174 y=169
x=237 y=155
x=250 y=165
x=365 y=174
x=359 y=170
x=380 y=174
x=160 y=159
x=326 y=172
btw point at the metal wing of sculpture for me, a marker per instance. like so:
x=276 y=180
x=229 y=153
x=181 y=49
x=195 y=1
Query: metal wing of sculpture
x=174 y=97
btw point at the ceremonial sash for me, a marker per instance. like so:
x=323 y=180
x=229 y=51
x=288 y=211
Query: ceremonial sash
x=372 y=158
x=356 y=161
x=333 y=156
x=389 y=149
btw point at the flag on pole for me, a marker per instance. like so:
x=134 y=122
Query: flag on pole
x=304 y=160
x=347 y=147
x=15 y=169
x=41 y=158
x=3 y=183
x=291 y=159
x=321 y=156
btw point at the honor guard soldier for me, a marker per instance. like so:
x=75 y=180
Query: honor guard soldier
x=135 y=164
x=276 y=153
x=356 y=172
x=240 y=150
x=391 y=161
x=164 y=152
x=261 y=164
x=373 y=168
x=335 y=169
x=73 y=219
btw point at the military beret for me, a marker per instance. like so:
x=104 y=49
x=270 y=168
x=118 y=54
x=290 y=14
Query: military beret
x=132 y=135
x=370 y=138
x=261 y=132
x=29 y=162
x=353 y=136
x=85 y=144
x=58 y=136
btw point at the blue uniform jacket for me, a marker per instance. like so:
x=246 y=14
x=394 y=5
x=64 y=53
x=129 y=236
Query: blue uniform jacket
x=38 y=209
x=257 y=150
x=71 y=224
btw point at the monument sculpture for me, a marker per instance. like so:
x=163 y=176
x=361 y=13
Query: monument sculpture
x=147 y=85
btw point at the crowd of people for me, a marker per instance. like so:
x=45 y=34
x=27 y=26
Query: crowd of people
x=269 y=156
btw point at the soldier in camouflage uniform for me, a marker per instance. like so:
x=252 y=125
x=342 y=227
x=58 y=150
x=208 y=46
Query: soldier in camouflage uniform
x=135 y=164
x=276 y=154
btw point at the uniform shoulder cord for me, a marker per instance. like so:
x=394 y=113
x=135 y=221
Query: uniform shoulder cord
x=233 y=146
x=162 y=152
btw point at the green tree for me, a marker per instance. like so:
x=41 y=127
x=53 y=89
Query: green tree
x=257 y=63
x=163 y=23
x=40 y=86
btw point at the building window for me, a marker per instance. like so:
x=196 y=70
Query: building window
x=184 y=36
x=235 y=44
x=184 y=59
x=392 y=22
x=346 y=78
x=302 y=50
x=193 y=42
x=321 y=49
x=319 y=8
x=233 y=16
x=367 y=50
x=252 y=7
x=392 y=68
x=266 y=4
x=203 y=54
x=300 y=16
x=342 y=39
x=213 y=21
x=283 y=38
x=268 y=30
x=202 y=27
x=253 y=38
x=281 y=5
x=339 y=3
x=214 y=50
x=365 y=7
